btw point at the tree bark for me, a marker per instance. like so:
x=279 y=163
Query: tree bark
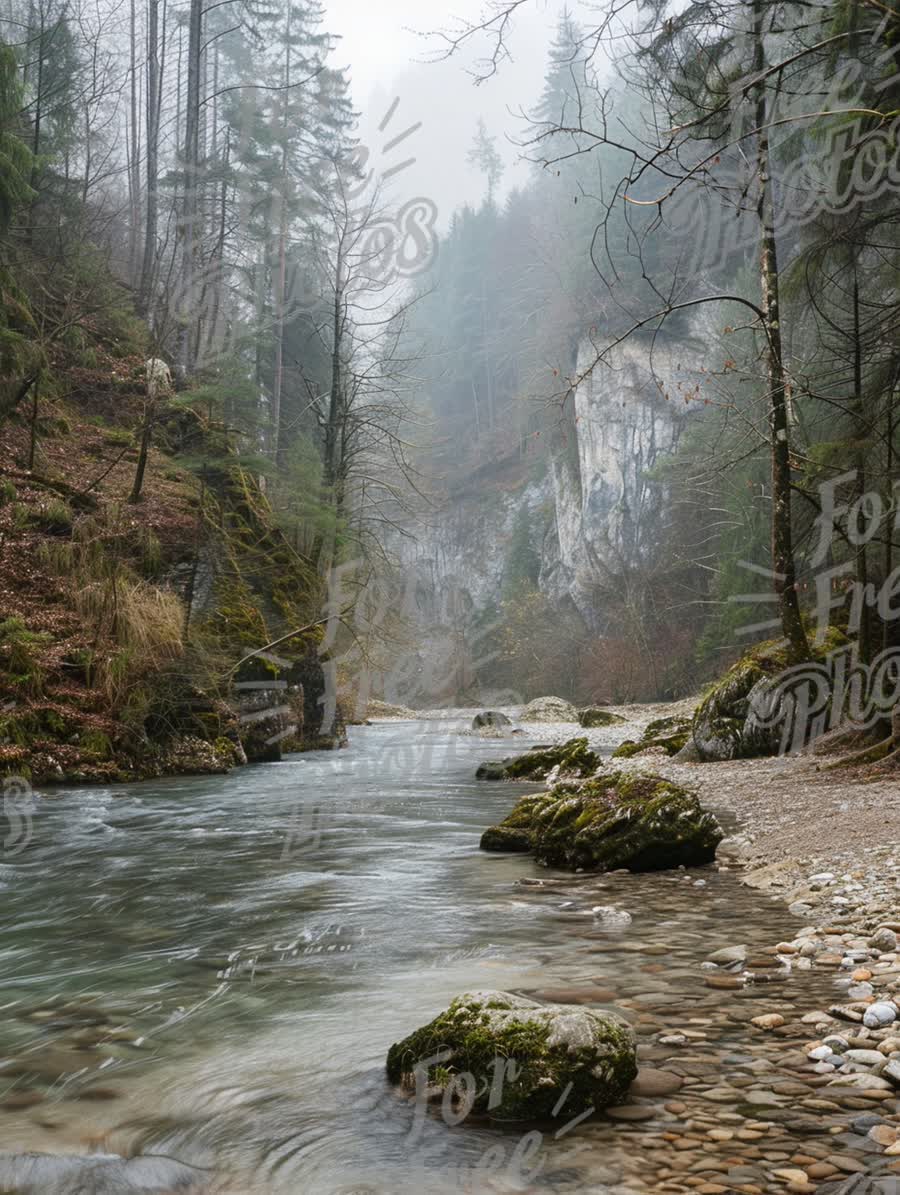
x=190 y=206
x=783 y=563
x=148 y=264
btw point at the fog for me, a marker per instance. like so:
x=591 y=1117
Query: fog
x=392 y=57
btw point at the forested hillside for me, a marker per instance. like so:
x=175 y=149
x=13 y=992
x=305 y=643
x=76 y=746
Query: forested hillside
x=188 y=247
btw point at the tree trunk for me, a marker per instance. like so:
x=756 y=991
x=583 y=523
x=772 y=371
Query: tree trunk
x=191 y=180
x=36 y=129
x=862 y=564
x=134 y=163
x=148 y=265
x=281 y=285
x=32 y=445
x=146 y=433
x=785 y=578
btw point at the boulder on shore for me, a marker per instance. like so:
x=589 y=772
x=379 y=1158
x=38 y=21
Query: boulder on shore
x=549 y=709
x=383 y=709
x=750 y=712
x=594 y=716
x=490 y=718
x=543 y=1050
x=638 y=821
x=573 y=758
x=670 y=733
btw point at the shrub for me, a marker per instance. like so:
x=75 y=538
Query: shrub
x=54 y=518
x=146 y=624
x=8 y=492
x=20 y=650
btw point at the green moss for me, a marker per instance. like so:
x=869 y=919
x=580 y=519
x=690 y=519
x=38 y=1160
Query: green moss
x=486 y=1034
x=55 y=518
x=97 y=744
x=573 y=758
x=594 y=717
x=639 y=821
x=720 y=727
x=670 y=733
x=20 y=653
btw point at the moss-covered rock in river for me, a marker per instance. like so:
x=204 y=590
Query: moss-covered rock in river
x=514 y=1059
x=594 y=716
x=549 y=709
x=670 y=733
x=616 y=819
x=745 y=714
x=573 y=758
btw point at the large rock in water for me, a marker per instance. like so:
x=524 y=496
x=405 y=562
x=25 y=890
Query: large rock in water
x=490 y=718
x=549 y=709
x=616 y=819
x=542 y=1049
x=593 y=716
x=750 y=711
x=98 y=1174
x=573 y=758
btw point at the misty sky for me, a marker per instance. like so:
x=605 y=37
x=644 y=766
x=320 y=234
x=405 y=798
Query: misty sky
x=388 y=60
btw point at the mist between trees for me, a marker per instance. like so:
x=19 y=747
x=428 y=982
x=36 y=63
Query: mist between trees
x=717 y=180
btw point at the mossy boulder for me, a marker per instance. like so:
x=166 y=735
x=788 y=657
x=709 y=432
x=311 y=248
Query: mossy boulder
x=638 y=821
x=508 y=839
x=573 y=758
x=490 y=719
x=549 y=709
x=670 y=733
x=513 y=1059
x=594 y=716
x=744 y=714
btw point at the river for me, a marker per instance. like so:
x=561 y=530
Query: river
x=214 y=968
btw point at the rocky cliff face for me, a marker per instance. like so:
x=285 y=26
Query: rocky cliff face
x=590 y=507
x=608 y=513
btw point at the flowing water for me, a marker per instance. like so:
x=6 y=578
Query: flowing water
x=214 y=968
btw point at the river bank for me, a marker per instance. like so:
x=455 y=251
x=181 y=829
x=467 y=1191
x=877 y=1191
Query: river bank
x=810 y=1099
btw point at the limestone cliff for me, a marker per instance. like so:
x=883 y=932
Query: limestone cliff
x=588 y=499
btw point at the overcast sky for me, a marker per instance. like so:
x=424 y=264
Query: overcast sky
x=389 y=61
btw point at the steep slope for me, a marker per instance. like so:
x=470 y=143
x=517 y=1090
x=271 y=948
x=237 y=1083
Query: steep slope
x=122 y=625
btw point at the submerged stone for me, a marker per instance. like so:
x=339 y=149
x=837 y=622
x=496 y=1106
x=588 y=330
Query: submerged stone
x=97 y=1174
x=513 y=1059
x=640 y=822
